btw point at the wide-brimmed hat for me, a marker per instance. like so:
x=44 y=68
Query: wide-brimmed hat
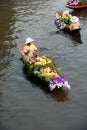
x=74 y=19
x=28 y=40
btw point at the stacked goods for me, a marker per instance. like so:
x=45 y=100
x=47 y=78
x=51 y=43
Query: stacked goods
x=45 y=69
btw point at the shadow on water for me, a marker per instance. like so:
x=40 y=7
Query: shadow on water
x=59 y=95
x=6 y=38
x=79 y=12
x=75 y=37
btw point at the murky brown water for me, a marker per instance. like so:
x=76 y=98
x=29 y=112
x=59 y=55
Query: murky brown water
x=26 y=104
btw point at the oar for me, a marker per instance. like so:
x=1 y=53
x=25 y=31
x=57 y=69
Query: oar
x=52 y=57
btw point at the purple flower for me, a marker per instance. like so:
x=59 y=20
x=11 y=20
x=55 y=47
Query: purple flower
x=59 y=82
x=31 y=57
x=73 y=2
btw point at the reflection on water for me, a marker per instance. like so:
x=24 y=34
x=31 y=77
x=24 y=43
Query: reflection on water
x=6 y=32
x=80 y=12
x=59 y=95
x=75 y=37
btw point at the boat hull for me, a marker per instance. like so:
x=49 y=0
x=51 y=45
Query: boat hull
x=77 y=6
x=44 y=69
x=66 y=29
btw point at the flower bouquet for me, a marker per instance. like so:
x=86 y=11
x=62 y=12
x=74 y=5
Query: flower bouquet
x=66 y=19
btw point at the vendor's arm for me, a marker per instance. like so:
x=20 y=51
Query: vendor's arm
x=37 y=51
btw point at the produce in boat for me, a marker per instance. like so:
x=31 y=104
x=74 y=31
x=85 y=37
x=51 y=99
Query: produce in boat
x=45 y=69
x=66 y=22
x=76 y=4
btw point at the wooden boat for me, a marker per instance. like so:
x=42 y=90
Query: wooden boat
x=44 y=69
x=71 y=31
x=66 y=29
x=77 y=6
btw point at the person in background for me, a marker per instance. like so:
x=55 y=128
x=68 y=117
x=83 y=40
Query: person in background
x=59 y=14
x=74 y=23
x=29 y=48
x=58 y=18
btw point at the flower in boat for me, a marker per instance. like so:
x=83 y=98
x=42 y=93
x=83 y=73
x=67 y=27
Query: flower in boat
x=67 y=19
x=59 y=82
x=73 y=2
x=31 y=57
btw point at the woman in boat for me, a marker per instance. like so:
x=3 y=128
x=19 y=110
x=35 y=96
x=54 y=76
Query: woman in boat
x=29 y=48
x=61 y=24
x=74 y=23
x=58 y=18
x=59 y=14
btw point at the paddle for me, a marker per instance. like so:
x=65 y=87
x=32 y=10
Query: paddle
x=20 y=47
x=51 y=57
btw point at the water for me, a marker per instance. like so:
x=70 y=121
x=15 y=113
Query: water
x=26 y=104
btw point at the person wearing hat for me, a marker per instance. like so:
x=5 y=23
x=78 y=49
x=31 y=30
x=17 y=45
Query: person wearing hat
x=74 y=23
x=30 y=48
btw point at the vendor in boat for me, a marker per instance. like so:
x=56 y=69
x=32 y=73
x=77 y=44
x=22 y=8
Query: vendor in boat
x=59 y=14
x=29 y=48
x=59 y=20
x=74 y=23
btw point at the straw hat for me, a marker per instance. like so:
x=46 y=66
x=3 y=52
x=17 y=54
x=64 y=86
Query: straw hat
x=28 y=40
x=74 y=19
